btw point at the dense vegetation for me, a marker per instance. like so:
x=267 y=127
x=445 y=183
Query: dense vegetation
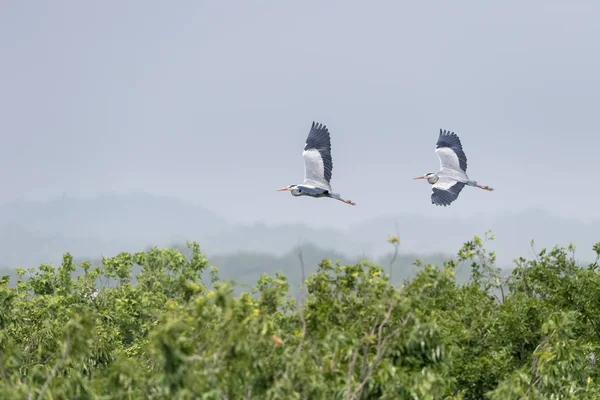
x=180 y=332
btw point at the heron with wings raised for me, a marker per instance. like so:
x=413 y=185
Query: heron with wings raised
x=452 y=177
x=318 y=166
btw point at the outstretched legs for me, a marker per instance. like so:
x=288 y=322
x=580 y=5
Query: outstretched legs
x=337 y=197
x=484 y=187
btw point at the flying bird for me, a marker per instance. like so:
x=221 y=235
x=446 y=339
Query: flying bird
x=452 y=177
x=317 y=166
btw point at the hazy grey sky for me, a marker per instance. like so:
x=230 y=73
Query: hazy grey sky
x=211 y=102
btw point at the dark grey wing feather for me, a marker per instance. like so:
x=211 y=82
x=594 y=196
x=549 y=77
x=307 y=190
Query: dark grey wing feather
x=445 y=196
x=451 y=141
x=318 y=140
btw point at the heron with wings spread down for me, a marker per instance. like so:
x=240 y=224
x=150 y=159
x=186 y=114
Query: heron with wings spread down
x=452 y=177
x=318 y=166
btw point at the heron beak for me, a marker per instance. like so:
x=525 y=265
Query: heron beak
x=419 y=177
x=282 y=189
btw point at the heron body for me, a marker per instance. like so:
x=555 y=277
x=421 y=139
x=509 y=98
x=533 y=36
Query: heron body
x=318 y=166
x=452 y=177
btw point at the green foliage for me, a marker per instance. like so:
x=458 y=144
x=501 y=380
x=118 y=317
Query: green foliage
x=351 y=335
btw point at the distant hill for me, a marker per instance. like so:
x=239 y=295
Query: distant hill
x=278 y=239
x=514 y=233
x=41 y=231
x=246 y=267
x=36 y=232
x=113 y=216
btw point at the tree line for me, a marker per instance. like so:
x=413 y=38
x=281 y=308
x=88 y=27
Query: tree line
x=176 y=330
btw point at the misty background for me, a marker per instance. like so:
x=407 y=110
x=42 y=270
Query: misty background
x=126 y=125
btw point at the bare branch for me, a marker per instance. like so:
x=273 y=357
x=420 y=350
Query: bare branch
x=304 y=330
x=502 y=290
x=249 y=394
x=365 y=361
x=381 y=348
x=300 y=256
x=300 y=305
x=392 y=261
x=351 y=366
x=396 y=246
x=533 y=251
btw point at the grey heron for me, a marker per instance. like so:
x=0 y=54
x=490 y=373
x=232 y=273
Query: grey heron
x=318 y=166
x=452 y=177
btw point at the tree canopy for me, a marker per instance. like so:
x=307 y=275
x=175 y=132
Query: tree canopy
x=180 y=332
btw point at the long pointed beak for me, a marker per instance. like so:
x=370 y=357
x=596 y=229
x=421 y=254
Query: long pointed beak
x=282 y=189
x=419 y=177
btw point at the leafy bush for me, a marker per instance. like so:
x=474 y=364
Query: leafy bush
x=182 y=333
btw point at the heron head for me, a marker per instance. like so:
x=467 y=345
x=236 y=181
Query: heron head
x=430 y=176
x=293 y=189
x=290 y=187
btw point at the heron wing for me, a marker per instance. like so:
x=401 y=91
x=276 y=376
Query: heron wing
x=445 y=191
x=450 y=152
x=318 y=164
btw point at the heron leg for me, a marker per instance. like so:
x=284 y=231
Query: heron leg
x=338 y=197
x=484 y=187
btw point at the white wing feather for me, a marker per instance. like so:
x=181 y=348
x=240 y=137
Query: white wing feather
x=314 y=169
x=448 y=159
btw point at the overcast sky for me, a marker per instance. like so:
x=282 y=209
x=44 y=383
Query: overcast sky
x=211 y=102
